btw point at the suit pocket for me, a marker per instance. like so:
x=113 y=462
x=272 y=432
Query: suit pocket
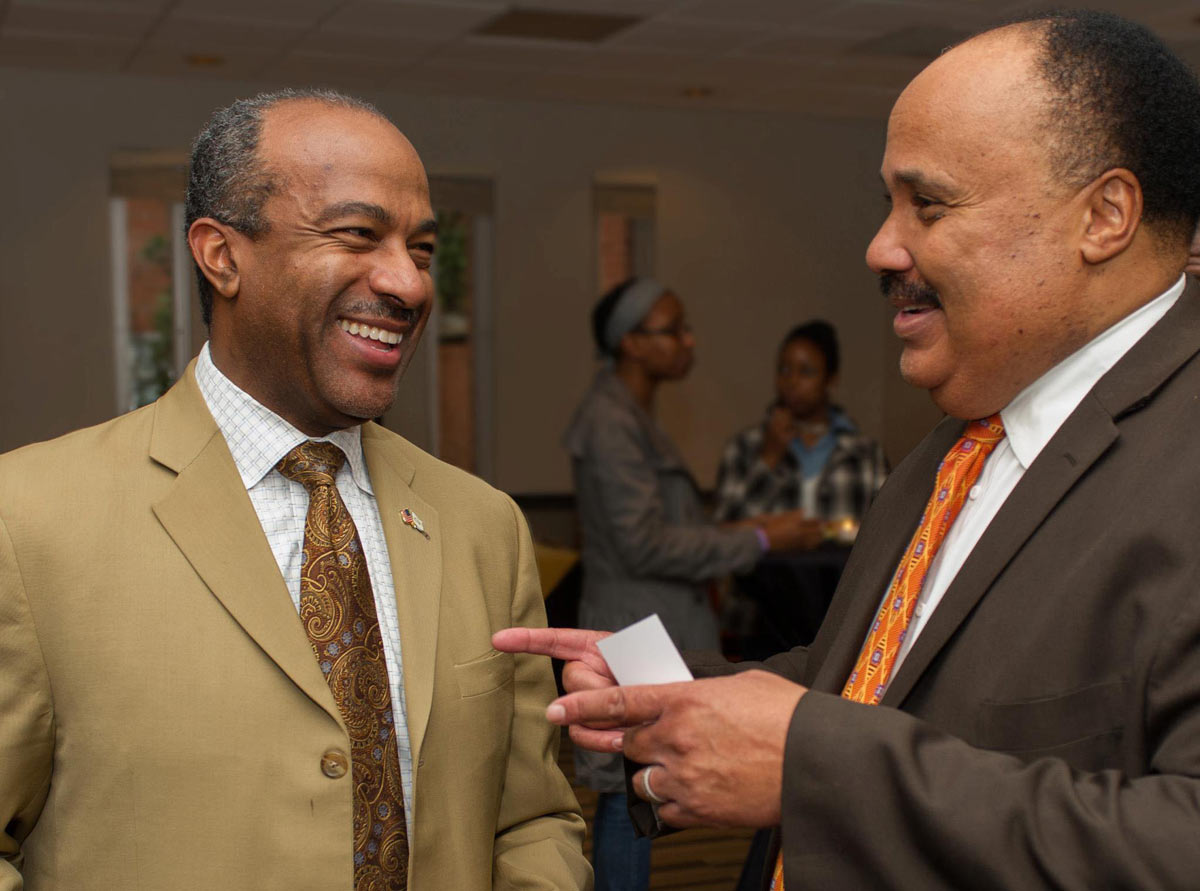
x=1084 y=727
x=484 y=675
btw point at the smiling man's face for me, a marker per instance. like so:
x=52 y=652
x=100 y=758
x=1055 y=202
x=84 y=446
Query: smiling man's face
x=979 y=253
x=331 y=299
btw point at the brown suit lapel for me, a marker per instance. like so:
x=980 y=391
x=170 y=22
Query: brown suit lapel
x=416 y=569
x=882 y=540
x=209 y=516
x=1083 y=438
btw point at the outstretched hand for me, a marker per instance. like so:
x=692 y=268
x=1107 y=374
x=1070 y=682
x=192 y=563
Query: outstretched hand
x=585 y=669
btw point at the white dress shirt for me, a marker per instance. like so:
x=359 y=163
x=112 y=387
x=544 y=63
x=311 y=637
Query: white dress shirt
x=258 y=438
x=1030 y=421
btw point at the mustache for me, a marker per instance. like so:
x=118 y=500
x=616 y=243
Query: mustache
x=918 y=292
x=383 y=309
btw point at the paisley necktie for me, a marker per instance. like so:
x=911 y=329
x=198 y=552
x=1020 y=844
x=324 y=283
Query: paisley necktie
x=337 y=608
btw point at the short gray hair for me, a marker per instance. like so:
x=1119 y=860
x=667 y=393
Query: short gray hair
x=227 y=179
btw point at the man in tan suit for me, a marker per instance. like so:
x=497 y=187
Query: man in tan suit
x=165 y=722
x=1034 y=721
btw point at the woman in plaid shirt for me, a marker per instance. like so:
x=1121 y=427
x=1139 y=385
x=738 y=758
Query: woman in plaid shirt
x=806 y=454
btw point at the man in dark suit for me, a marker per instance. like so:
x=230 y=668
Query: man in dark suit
x=1022 y=708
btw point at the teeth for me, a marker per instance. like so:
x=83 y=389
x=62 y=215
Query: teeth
x=371 y=333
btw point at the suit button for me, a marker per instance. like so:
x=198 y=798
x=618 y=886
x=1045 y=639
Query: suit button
x=334 y=764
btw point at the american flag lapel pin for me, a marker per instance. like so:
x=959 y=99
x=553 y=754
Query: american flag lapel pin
x=411 y=519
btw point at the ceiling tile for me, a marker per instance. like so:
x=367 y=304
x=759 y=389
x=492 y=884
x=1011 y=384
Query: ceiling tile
x=1144 y=11
x=653 y=67
x=310 y=69
x=802 y=44
x=645 y=8
x=96 y=20
x=370 y=47
x=23 y=50
x=227 y=63
x=763 y=13
x=295 y=13
x=694 y=37
x=872 y=18
x=892 y=72
x=508 y=53
x=151 y=6
x=215 y=35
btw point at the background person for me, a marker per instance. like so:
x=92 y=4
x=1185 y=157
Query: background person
x=806 y=454
x=648 y=546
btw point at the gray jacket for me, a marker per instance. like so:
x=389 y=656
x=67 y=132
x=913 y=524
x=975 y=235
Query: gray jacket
x=647 y=545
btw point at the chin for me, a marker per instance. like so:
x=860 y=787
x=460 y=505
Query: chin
x=360 y=407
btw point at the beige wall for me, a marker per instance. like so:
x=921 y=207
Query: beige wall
x=762 y=222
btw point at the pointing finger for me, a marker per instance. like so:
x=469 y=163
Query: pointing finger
x=560 y=643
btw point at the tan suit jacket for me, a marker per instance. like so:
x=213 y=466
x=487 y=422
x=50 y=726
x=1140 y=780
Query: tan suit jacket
x=163 y=720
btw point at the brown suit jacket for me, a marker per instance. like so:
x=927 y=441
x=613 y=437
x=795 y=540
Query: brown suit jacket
x=163 y=720
x=1044 y=732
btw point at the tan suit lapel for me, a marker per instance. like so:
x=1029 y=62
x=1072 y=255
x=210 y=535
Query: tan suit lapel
x=209 y=516
x=1083 y=438
x=416 y=570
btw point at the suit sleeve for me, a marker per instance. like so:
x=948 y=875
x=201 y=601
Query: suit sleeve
x=540 y=833
x=26 y=722
x=876 y=798
x=648 y=545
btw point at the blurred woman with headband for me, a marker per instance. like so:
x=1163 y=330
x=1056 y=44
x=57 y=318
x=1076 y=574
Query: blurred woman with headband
x=647 y=545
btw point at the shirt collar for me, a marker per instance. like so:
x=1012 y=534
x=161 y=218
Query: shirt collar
x=257 y=437
x=839 y=421
x=1035 y=415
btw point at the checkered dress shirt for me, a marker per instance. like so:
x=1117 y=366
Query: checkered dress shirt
x=258 y=438
x=746 y=487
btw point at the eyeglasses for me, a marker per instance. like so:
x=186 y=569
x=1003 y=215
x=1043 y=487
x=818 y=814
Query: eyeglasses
x=677 y=331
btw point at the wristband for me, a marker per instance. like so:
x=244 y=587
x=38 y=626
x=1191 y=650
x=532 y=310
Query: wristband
x=763 y=541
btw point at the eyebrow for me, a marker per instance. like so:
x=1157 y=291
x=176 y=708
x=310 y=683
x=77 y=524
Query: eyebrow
x=426 y=227
x=375 y=212
x=355 y=208
x=917 y=180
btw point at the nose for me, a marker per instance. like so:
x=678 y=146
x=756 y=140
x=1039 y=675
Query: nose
x=886 y=252
x=395 y=274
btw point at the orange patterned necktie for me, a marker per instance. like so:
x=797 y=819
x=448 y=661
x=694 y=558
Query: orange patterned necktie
x=955 y=476
x=337 y=607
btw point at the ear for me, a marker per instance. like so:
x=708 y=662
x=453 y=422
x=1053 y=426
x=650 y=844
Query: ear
x=631 y=345
x=212 y=249
x=1113 y=214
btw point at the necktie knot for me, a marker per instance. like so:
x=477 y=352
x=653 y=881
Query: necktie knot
x=312 y=464
x=988 y=430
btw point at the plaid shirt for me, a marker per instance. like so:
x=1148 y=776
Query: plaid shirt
x=746 y=487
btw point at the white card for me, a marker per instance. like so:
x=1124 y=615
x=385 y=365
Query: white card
x=644 y=654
